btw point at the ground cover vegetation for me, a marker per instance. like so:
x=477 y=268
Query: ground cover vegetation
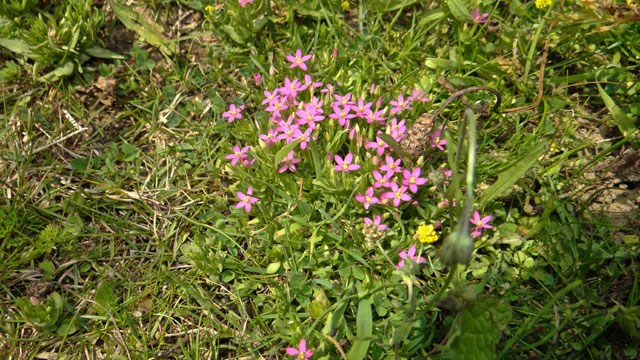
x=319 y=179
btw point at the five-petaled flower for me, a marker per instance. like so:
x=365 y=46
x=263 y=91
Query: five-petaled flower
x=289 y=163
x=238 y=154
x=345 y=165
x=301 y=353
x=411 y=255
x=436 y=141
x=480 y=223
x=477 y=18
x=397 y=194
x=412 y=179
x=233 y=113
x=367 y=198
x=246 y=200
x=298 y=60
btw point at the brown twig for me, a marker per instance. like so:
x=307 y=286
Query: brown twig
x=540 y=80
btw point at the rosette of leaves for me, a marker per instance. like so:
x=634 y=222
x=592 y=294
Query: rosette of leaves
x=44 y=317
x=61 y=37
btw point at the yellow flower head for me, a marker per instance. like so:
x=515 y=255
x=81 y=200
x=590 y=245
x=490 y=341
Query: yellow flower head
x=541 y=4
x=426 y=234
x=208 y=10
x=345 y=5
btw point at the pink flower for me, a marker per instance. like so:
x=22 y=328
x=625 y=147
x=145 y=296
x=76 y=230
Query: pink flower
x=305 y=137
x=362 y=109
x=481 y=223
x=397 y=194
x=244 y=2
x=411 y=255
x=343 y=100
x=379 y=145
x=397 y=129
x=246 y=163
x=399 y=105
x=301 y=352
x=289 y=163
x=291 y=88
x=270 y=138
x=341 y=114
x=436 y=141
x=412 y=179
x=270 y=97
x=257 y=78
x=477 y=18
x=367 y=198
x=308 y=81
x=345 y=165
x=391 y=166
x=233 y=113
x=418 y=96
x=246 y=200
x=381 y=181
x=376 y=221
x=298 y=60
x=238 y=154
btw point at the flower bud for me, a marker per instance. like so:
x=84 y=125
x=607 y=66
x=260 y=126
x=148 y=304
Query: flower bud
x=457 y=248
x=257 y=78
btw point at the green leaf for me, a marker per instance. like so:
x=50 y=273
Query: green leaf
x=364 y=329
x=67 y=327
x=130 y=152
x=507 y=178
x=18 y=46
x=80 y=164
x=273 y=268
x=218 y=105
x=106 y=297
x=459 y=10
x=236 y=34
x=393 y=144
x=621 y=119
x=285 y=151
x=477 y=332
x=63 y=70
x=435 y=63
x=102 y=53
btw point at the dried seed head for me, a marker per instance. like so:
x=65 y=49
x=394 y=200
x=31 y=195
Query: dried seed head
x=417 y=136
x=372 y=234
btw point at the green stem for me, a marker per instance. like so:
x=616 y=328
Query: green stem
x=442 y=289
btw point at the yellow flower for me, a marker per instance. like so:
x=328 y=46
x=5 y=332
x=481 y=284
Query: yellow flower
x=345 y=5
x=209 y=10
x=426 y=234
x=541 y=4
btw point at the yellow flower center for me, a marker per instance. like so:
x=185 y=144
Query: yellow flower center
x=367 y=199
x=412 y=180
x=345 y=166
